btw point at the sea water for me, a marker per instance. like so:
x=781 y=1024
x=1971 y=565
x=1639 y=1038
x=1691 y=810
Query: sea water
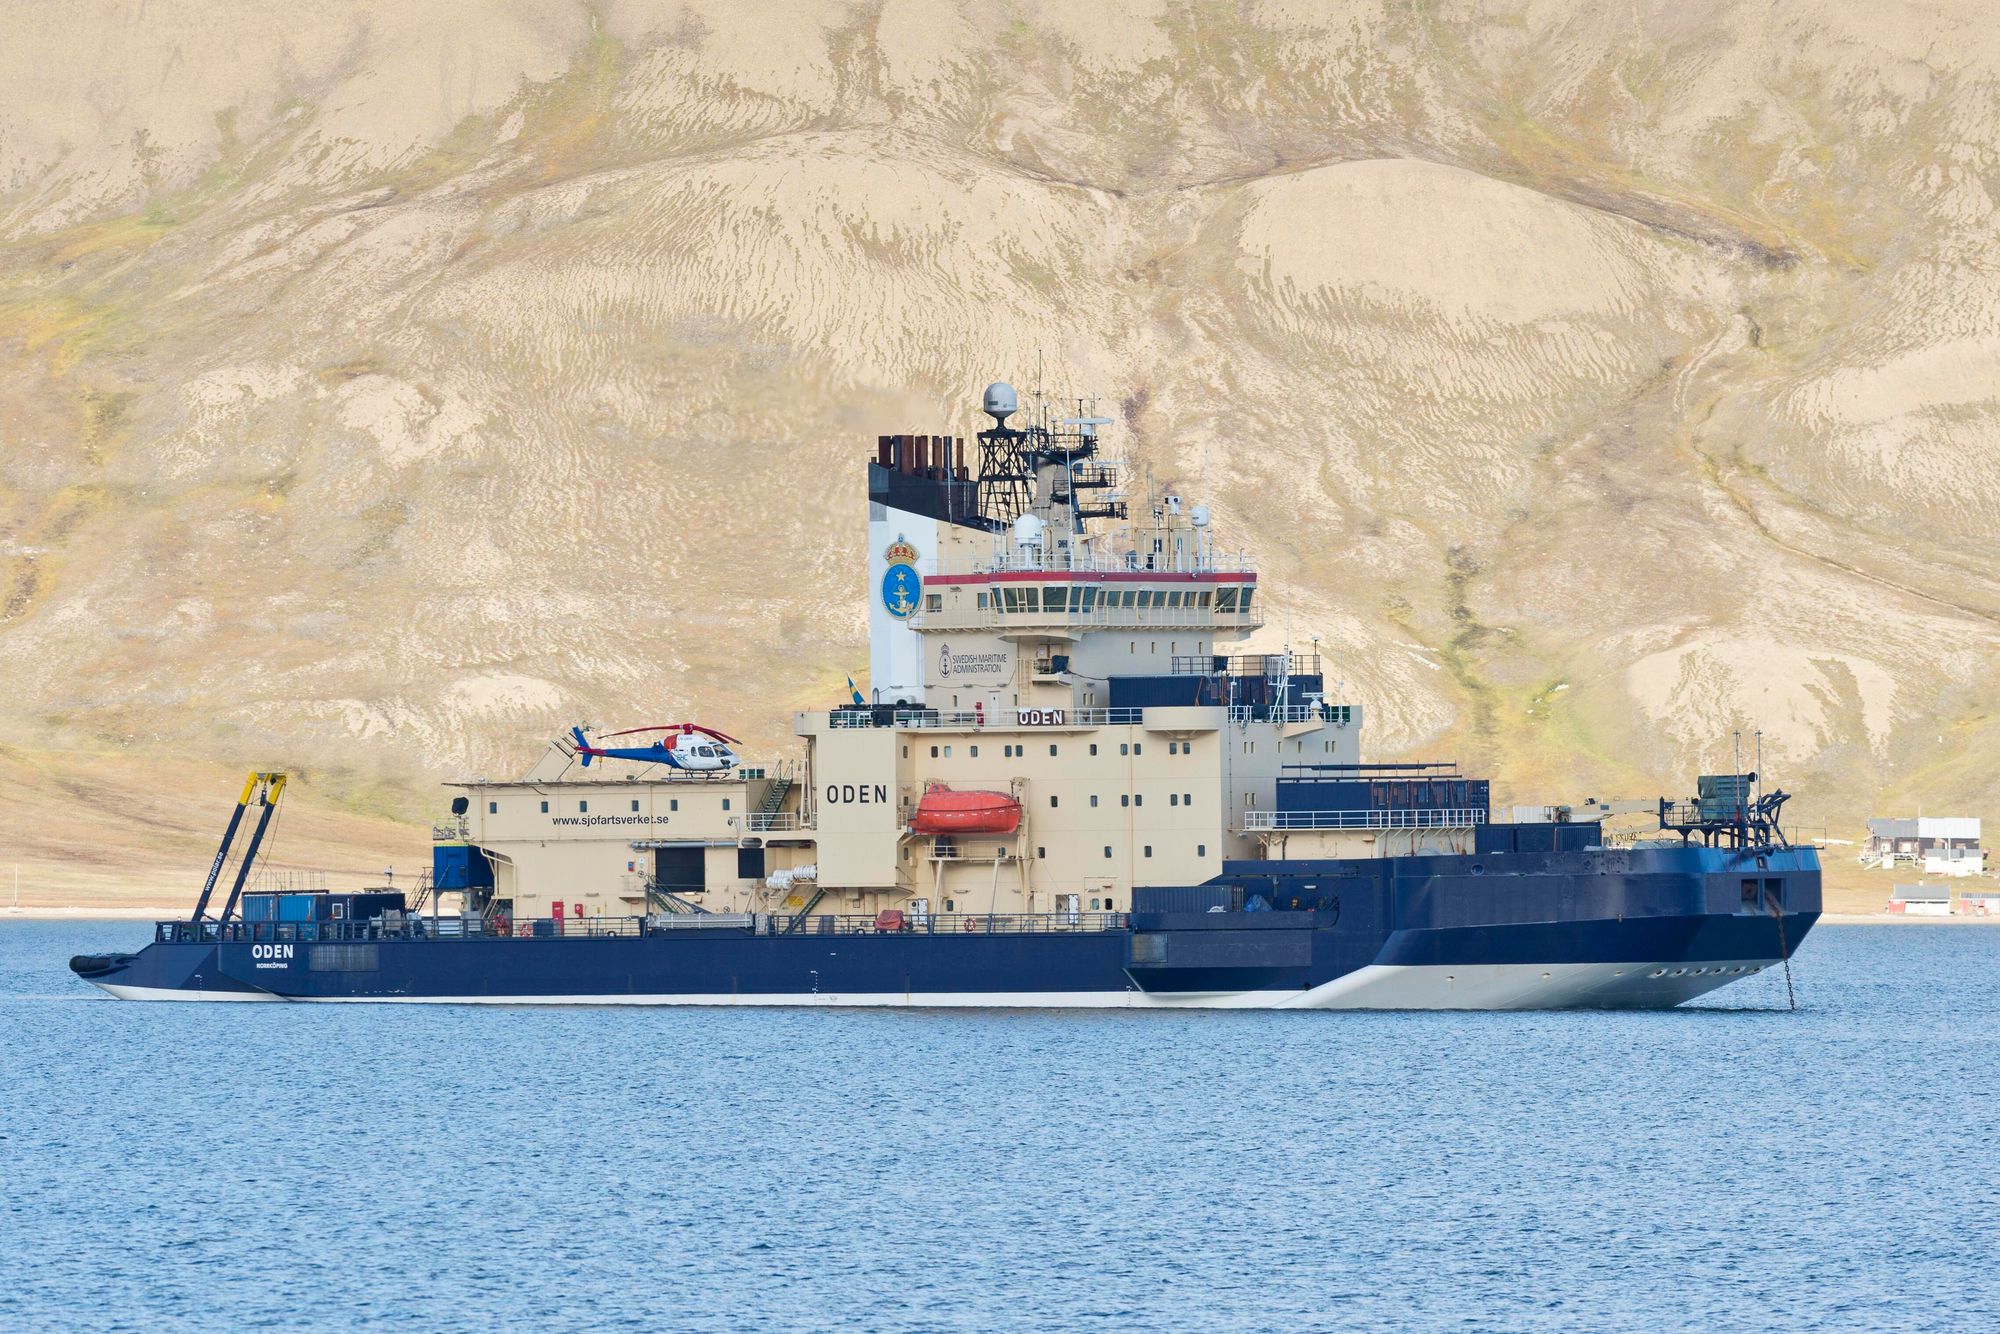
x=1731 y=1164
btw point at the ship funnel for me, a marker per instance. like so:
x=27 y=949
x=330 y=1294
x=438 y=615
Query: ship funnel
x=1001 y=402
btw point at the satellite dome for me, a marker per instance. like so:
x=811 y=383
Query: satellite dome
x=1001 y=401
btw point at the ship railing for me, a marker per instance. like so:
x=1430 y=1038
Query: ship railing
x=967 y=720
x=1040 y=560
x=775 y=822
x=498 y=927
x=1102 y=618
x=949 y=924
x=1338 y=714
x=1441 y=818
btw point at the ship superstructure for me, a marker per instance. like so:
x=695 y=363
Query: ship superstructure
x=1069 y=781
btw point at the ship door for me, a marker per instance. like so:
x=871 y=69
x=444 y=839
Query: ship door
x=680 y=870
x=1069 y=907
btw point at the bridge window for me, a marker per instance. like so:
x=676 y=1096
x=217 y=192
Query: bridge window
x=1244 y=599
x=1225 y=599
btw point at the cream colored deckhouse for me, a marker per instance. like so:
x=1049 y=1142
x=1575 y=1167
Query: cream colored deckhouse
x=1034 y=633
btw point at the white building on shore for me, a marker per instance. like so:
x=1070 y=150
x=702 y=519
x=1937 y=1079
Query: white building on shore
x=1939 y=844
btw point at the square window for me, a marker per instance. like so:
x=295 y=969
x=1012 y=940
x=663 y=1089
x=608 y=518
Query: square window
x=1187 y=798
x=1173 y=798
x=1138 y=747
x=1201 y=849
x=582 y=806
x=1041 y=852
x=492 y=808
x=1124 y=749
x=545 y=808
x=974 y=750
x=947 y=752
x=1149 y=849
x=725 y=803
x=673 y=803
x=1093 y=747
x=1107 y=851
x=635 y=804
x=933 y=752
x=1139 y=800
x=1052 y=800
x=1052 y=750
x=1093 y=799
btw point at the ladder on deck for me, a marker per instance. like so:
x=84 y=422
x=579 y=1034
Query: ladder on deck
x=774 y=795
x=799 y=918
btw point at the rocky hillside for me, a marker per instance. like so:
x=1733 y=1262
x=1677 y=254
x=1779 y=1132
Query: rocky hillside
x=386 y=386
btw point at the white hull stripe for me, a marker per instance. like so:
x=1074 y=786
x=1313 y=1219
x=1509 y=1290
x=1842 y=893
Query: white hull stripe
x=1376 y=987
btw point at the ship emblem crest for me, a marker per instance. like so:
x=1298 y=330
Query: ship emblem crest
x=901 y=586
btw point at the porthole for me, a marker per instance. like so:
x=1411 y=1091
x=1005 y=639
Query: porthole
x=1680 y=972
x=1477 y=869
x=1657 y=972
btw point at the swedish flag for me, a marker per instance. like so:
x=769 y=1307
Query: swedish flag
x=852 y=691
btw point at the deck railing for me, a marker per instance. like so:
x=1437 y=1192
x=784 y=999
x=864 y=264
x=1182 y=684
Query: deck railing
x=1447 y=818
x=498 y=927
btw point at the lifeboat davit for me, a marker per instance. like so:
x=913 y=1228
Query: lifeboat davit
x=943 y=811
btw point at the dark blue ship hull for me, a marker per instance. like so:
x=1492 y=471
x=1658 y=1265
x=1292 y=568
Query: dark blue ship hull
x=1646 y=927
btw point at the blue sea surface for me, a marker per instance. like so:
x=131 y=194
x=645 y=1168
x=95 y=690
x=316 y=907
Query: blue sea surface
x=1724 y=1166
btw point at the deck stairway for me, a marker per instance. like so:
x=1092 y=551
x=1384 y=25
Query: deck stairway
x=774 y=795
x=799 y=918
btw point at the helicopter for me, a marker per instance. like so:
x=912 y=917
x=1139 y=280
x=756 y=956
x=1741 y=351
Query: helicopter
x=686 y=746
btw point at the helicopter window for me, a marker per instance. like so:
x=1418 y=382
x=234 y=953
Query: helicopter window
x=1225 y=599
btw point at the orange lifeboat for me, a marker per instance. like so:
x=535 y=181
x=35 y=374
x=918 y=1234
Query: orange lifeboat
x=943 y=811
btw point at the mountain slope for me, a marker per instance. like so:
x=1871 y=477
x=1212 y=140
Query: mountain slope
x=388 y=386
